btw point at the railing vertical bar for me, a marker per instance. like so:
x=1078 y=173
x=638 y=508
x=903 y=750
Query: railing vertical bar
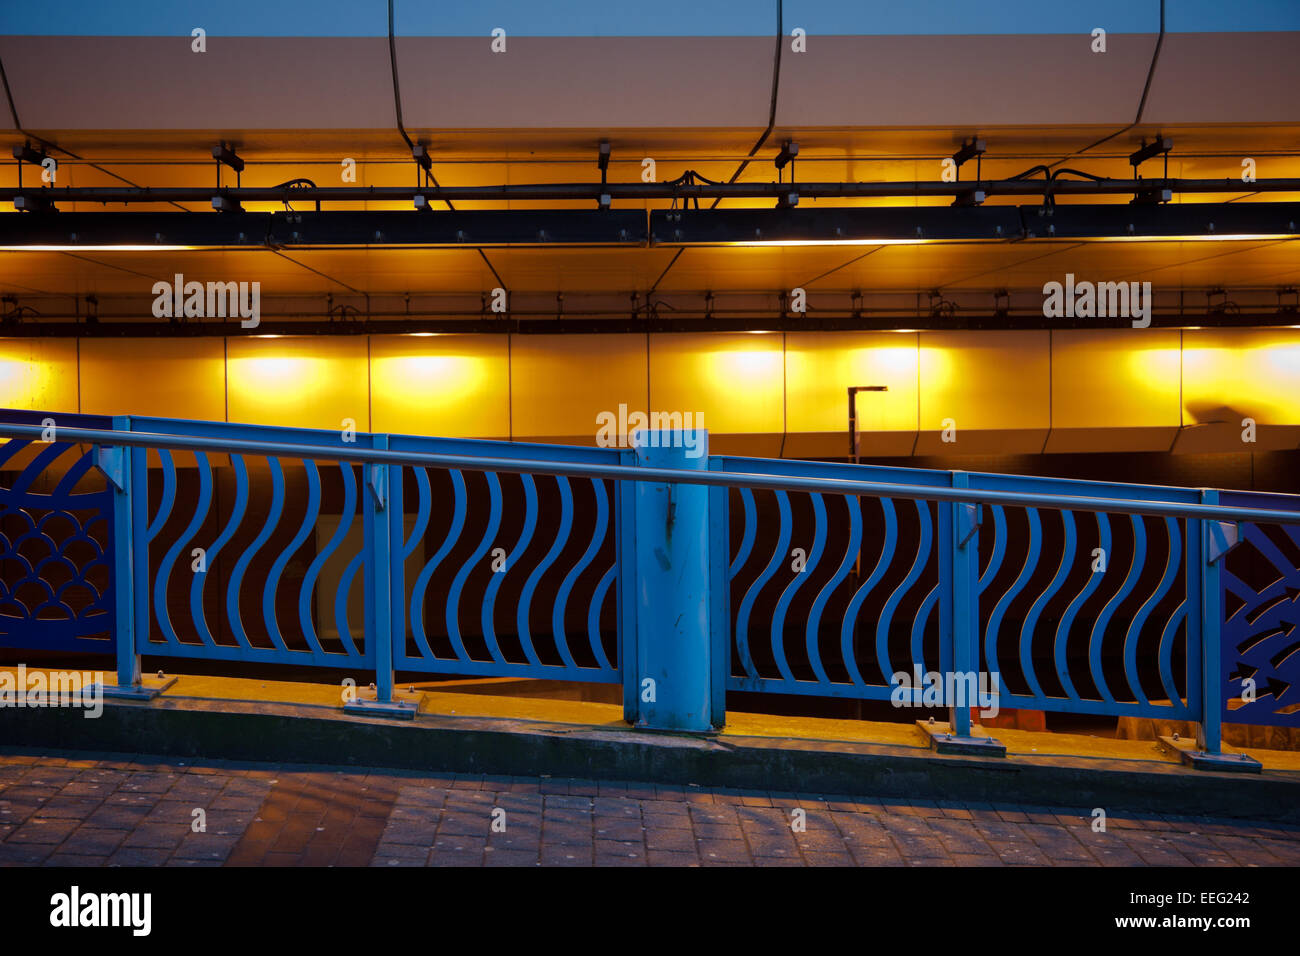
x=139 y=576
x=945 y=530
x=124 y=640
x=625 y=588
x=396 y=563
x=378 y=633
x=963 y=546
x=1209 y=729
x=719 y=600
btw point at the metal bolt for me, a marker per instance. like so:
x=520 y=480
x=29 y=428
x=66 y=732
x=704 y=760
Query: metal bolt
x=1175 y=736
x=160 y=675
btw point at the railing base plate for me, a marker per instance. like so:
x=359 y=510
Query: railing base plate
x=1201 y=760
x=944 y=741
x=147 y=689
x=397 y=709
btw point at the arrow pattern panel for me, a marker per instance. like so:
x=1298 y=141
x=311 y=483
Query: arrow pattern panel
x=1261 y=641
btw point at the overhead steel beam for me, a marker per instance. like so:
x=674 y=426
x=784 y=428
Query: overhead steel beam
x=148 y=230
x=534 y=322
x=643 y=191
x=857 y=225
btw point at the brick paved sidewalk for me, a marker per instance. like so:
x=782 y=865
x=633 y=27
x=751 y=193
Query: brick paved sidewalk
x=103 y=809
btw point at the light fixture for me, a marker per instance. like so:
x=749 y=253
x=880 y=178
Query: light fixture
x=227 y=157
x=420 y=153
x=25 y=154
x=789 y=150
x=1159 y=145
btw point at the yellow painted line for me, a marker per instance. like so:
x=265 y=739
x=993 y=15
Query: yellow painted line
x=454 y=703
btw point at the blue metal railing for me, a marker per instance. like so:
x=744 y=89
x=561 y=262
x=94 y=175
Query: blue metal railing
x=293 y=546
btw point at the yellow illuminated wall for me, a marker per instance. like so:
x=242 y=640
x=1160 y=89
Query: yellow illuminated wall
x=456 y=386
x=819 y=369
x=736 y=380
x=559 y=384
x=39 y=374
x=993 y=386
x=169 y=378
x=1242 y=373
x=307 y=381
x=1114 y=390
x=760 y=394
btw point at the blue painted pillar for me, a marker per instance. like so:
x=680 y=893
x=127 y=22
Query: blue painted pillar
x=671 y=529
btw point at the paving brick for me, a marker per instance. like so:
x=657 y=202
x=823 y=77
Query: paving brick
x=157 y=835
x=43 y=830
x=725 y=851
x=138 y=856
x=92 y=841
x=671 y=858
x=205 y=846
x=122 y=810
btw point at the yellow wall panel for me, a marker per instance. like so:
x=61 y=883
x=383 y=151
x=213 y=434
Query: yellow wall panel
x=304 y=381
x=168 y=378
x=820 y=367
x=39 y=373
x=560 y=383
x=1252 y=371
x=1114 y=390
x=1233 y=374
x=993 y=385
x=454 y=386
x=735 y=380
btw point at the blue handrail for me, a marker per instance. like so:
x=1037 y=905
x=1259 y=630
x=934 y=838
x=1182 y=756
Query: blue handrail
x=1154 y=508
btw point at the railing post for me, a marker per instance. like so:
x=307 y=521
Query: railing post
x=964 y=627
x=1209 y=729
x=380 y=513
x=1214 y=539
x=625 y=586
x=719 y=601
x=672 y=680
x=116 y=465
x=958 y=544
x=124 y=469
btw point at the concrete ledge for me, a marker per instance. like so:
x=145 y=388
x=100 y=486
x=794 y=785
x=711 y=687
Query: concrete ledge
x=300 y=733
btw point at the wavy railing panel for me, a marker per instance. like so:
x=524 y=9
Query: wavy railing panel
x=254 y=558
x=509 y=575
x=1107 y=610
x=819 y=580
x=1086 y=619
